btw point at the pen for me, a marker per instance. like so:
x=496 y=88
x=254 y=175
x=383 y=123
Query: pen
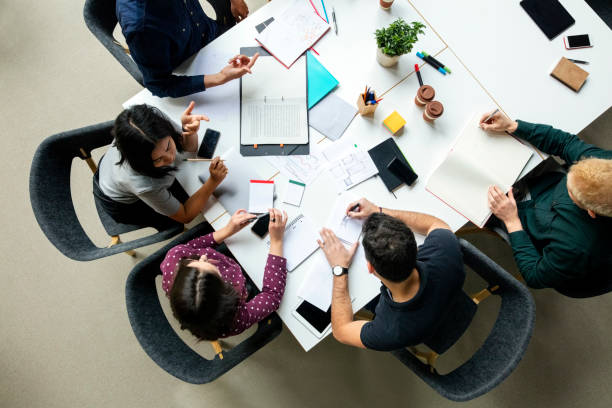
x=250 y=220
x=491 y=115
x=325 y=11
x=444 y=67
x=578 y=61
x=204 y=160
x=334 y=18
x=353 y=208
x=416 y=68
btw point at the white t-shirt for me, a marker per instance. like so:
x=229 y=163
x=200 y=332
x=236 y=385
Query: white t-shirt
x=124 y=185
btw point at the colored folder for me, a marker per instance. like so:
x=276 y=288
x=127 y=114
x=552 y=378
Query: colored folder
x=320 y=81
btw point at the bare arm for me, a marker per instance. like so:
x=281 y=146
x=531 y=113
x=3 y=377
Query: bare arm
x=344 y=329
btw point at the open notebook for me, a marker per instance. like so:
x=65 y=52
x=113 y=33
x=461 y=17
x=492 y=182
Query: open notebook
x=477 y=160
x=273 y=104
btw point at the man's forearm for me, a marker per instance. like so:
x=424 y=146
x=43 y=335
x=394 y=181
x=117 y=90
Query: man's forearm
x=341 y=308
x=418 y=222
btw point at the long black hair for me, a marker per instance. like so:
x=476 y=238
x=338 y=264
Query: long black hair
x=136 y=131
x=202 y=302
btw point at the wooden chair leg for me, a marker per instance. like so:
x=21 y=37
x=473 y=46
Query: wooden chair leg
x=217 y=347
x=90 y=162
x=116 y=240
x=364 y=314
x=426 y=357
x=483 y=294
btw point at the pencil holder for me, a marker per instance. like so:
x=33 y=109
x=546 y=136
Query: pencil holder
x=364 y=109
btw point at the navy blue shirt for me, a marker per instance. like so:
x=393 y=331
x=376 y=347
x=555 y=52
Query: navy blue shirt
x=398 y=325
x=161 y=34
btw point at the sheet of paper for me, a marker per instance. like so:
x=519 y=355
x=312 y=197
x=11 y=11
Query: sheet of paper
x=352 y=169
x=274 y=106
x=291 y=33
x=331 y=116
x=299 y=241
x=302 y=168
x=345 y=228
x=294 y=192
x=261 y=196
x=477 y=160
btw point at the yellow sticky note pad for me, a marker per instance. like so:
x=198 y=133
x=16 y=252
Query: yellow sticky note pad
x=394 y=122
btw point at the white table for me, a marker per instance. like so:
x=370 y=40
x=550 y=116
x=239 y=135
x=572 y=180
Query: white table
x=350 y=56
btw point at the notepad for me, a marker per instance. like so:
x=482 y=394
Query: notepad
x=382 y=154
x=394 y=122
x=261 y=196
x=477 y=160
x=320 y=81
x=299 y=241
x=291 y=33
x=294 y=192
x=569 y=74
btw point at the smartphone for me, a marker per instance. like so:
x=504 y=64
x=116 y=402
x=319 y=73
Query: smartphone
x=209 y=144
x=577 y=41
x=402 y=171
x=315 y=319
x=260 y=228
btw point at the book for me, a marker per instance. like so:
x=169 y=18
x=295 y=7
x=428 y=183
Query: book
x=569 y=74
x=549 y=15
x=382 y=154
x=394 y=122
x=477 y=160
x=320 y=81
x=291 y=33
x=299 y=241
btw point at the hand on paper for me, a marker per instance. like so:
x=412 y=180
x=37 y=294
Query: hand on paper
x=238 y=66
x=276 y=229
x=335 y=251
x=190 y=125
x=504 y=207
x=365 y=209
x=239 y=9
x=498 y=123
x=217 y=170
x=238 y=221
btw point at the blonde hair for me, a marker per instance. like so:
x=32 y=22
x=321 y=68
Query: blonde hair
x=590 y=183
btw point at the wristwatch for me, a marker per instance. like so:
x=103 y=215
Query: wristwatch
x=339 y=270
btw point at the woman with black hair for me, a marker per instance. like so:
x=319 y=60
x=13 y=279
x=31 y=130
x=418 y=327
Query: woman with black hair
x=207 y=289
x=135 y=183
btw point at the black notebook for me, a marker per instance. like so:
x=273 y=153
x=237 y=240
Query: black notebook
x=382 y=155
x=549 y=15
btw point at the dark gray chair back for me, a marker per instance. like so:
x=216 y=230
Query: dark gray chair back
x=101 y=19
x=503 y=348
x=51 y=196
x=158 y=338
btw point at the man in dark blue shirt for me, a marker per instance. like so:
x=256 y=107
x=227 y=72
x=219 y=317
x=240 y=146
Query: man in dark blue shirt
x=417 y=285
x=161 y=34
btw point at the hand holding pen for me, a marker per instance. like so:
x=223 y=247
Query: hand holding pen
x=361 y=209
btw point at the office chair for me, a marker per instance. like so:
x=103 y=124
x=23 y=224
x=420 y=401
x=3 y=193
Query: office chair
x=503 y=348
x=101 y=19
x=161 y=342
x=51 y=199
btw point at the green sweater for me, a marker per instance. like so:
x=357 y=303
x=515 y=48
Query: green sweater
x=561 y=244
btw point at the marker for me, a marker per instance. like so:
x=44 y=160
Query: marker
x=578 y=61
x=334 y=18
x=416 y=68
x=430 y=62
x=444 y=67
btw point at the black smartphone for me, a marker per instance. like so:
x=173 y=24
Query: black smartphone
x=209 y=144
x=260 y=228
x=577 y=41
x=402 y=171
x=316 y=317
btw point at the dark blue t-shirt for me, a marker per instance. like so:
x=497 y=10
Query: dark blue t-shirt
x=398 y=325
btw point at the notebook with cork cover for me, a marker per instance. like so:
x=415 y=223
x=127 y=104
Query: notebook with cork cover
x=570 y=74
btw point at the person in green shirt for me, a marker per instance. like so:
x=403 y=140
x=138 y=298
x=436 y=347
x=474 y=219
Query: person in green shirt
x=561 y=233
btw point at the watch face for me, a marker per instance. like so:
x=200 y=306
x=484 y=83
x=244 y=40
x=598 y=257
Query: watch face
x=337 y=270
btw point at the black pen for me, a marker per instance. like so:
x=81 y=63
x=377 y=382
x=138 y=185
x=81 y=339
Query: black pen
x=578 y=61
x=353 y=208
x=334 y=18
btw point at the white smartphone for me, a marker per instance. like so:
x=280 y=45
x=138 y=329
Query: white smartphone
x=572 y=42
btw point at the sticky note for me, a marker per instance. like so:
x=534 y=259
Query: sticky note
x=294 y=193
x=261 y=196
x=394 y=122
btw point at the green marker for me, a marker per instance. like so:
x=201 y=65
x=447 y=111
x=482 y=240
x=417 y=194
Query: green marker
x=444 y=67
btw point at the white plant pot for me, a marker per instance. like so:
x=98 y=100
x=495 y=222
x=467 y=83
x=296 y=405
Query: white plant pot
x=385 y=60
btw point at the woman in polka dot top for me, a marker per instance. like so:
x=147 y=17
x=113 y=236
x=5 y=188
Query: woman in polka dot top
x=207 y=289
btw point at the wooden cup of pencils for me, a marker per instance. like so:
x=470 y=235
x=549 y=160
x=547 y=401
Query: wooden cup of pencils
x=367 y=103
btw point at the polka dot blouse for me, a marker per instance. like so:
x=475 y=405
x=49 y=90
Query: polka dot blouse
x=249 y=313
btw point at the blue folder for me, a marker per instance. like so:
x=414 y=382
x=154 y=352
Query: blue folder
x=320 y=81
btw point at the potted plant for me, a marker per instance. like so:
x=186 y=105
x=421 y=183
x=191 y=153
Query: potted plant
x=396 y=40
x=386 y=4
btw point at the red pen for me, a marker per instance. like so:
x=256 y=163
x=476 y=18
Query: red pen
x=416 y=68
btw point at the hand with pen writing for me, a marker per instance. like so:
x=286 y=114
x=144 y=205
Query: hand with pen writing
x=361 y=209
x=497 y=123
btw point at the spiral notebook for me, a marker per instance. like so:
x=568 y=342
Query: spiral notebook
x=299 y=241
